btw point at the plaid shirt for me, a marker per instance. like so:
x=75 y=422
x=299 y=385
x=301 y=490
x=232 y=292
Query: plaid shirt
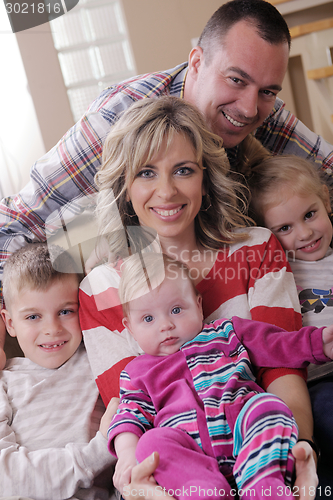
x=62 y=182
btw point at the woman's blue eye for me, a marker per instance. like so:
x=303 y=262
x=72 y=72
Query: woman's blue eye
x=176 y=310
x=148 y=318
x=184 y=171
x=145 y=174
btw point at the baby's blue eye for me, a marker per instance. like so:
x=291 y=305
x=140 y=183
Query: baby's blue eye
x=176 y=310
x=148 y=318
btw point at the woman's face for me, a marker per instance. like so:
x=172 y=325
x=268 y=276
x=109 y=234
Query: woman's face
x=166 y=194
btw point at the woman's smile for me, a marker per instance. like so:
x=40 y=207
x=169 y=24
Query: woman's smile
x=166 y=194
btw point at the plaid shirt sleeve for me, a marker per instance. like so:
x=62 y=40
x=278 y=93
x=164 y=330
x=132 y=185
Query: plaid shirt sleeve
x=62 y=182
x=283 y=133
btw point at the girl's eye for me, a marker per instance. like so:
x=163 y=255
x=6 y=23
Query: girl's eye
x=176 y=310
x=284 y=229
x=148 y=318
x=33 y=316
x=309 y=215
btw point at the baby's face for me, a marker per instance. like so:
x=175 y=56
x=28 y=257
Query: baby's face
x=163 y=320
x=46 y=322
x=302 y=226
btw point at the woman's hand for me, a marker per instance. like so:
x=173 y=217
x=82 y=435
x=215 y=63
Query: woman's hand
x=143 y=484
x=306 y=476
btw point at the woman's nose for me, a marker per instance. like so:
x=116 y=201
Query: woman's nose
x=166 y=188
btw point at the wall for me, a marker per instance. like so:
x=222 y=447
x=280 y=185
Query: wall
x=161 y=32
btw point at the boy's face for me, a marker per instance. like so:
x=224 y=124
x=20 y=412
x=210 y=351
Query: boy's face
x=46 y=322
x=302 y=226
x=163 y=320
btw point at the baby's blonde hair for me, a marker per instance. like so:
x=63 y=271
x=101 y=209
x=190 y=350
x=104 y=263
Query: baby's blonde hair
x=143 y=272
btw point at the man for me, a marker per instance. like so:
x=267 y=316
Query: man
x=233 y=76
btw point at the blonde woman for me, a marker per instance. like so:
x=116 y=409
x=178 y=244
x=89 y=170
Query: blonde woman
x=164 y=181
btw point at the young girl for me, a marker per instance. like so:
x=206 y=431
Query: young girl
x=289 y=197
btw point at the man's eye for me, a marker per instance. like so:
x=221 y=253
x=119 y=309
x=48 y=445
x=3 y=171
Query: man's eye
x=176 y=310
x=148 y=318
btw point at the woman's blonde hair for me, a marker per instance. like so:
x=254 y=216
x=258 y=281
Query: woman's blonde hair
x=274 y=179
x=134 y=140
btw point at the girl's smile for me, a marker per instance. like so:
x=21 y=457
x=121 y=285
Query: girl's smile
x=302 y=226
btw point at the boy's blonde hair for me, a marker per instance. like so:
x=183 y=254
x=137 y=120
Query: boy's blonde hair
x=274 y=179
x=143 y=272
x=134 y=140
x=36 y=266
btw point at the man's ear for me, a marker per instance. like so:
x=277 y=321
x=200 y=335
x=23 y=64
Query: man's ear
x=195 y=60
x=326 y=199
x=7 y=319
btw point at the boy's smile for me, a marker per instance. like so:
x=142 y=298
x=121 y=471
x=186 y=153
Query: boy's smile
x=46 y=322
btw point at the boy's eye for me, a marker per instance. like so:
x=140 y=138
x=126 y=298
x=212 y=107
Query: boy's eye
x=148 y=318
x=64 y=312
x=176 y=310
x=33 y=316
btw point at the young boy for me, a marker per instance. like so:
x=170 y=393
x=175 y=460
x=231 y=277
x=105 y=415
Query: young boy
x=51 y=433
x=195 y=390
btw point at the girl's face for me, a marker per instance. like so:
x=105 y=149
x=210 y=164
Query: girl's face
x=302 y=226
x=166 y=194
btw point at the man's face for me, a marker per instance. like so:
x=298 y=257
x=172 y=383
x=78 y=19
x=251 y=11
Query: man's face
x=236 y=89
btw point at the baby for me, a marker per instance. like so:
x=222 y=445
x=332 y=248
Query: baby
x=51 y=444
x=194 y=390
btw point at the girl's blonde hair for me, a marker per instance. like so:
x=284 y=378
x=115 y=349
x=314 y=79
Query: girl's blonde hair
x=274 y=179
x=134 y=140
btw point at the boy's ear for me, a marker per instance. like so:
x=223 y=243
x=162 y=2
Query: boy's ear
x=327 y=201
x=5 y=314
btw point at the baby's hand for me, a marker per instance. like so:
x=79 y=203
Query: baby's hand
x=328 y=341
x=108 y=416
x=123 y=471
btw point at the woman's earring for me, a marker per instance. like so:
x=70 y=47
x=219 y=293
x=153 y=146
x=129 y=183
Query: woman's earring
x=206 y=203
